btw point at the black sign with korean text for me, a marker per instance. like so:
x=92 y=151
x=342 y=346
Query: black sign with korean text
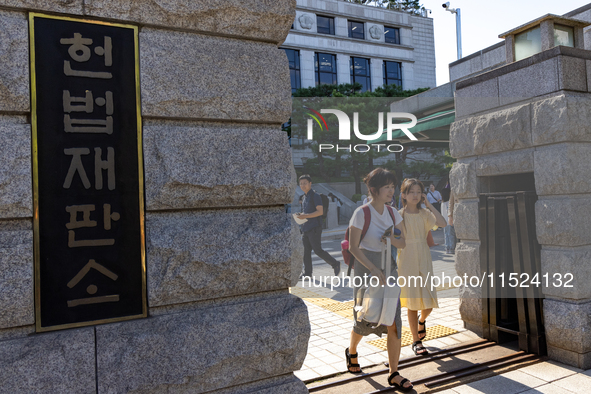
x=88 y=175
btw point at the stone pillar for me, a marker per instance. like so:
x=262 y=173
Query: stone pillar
x=508 y=123
x=214 y=91
x=547 y=34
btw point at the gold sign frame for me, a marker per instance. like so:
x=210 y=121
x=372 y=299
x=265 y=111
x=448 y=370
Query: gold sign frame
x=34 y=153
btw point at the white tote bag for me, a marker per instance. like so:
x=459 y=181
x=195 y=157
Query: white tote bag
x=380 y=302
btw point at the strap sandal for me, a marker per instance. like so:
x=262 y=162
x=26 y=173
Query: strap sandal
x=349 y=363
x=419 y=349
x=424 y=330
x=400 y=386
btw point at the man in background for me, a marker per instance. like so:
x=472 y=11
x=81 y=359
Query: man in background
x=312 y=229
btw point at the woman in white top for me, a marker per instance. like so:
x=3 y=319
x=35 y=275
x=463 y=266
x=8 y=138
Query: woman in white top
x=367 y=252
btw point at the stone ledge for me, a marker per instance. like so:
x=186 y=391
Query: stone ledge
x=202 y=255
x=61 y=362
x=260 y=20
x=16 y=195
x=196 y=165
x=174 y=352
x=14 y=57
x=246 y=80
x=16 y=279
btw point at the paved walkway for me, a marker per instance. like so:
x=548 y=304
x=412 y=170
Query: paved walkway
x=331 y=330
x=547 y=378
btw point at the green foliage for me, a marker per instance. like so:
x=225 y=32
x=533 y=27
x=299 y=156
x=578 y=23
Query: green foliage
x=356 y=197
x=412 y=6
x=354 y=90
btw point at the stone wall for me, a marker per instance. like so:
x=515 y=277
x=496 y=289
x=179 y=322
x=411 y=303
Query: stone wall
x=215 y=89
x=532 y=116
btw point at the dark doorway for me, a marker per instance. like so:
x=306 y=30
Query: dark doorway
x=510 y=256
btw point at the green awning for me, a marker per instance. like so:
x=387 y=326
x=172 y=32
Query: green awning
x=434 y=121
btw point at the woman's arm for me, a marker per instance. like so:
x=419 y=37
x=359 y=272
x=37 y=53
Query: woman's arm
x=440 y=222
x=354 y=240
x=401 y=242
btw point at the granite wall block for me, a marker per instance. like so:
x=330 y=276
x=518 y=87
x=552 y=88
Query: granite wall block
x=57 y=362
x=17 y=306
x=563 y=169
x=463 y=179
x=198 y=255
x=16 y=195
x=561 y=118
x=466 y=220
x=512 y=162
x=254 y=19
x=577 y=337
x=14 y=57
x=215 y=165
x=196 y=76
x=468 y=259
x=499 y=131
x=176 y=352
x=574 y=261
x=564 y=221
x=58 y=6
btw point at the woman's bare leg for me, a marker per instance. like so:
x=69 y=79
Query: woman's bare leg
x=393 y=343
x=355 y=339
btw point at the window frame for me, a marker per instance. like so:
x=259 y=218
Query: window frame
x=396 y=39
x=317 y=70
x=350 y=30
x=331 y=29
x=296 y=69
x=385 y=74
x=367 y=76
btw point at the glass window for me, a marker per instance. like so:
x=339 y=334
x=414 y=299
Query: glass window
x=356 y=30
x=326 y=69
x=360 y=72
x=392 y=35
x=293 y=57
x=392 y=73
x=528 y=43
x=564 y=35
x=325 y=25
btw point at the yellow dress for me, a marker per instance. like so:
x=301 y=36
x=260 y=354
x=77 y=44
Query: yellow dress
x=415 y=260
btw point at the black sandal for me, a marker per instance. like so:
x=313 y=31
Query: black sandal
x=419 y=349
x=401 y=385
x=349 y=363
x=424 y=330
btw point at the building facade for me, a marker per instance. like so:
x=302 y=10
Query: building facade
x=335 y=42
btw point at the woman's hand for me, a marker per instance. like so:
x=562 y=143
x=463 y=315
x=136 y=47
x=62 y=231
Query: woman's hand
x=425 y=201
x=375 y=271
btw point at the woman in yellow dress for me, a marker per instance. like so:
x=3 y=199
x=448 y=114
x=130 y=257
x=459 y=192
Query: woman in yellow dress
x=414 y=261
